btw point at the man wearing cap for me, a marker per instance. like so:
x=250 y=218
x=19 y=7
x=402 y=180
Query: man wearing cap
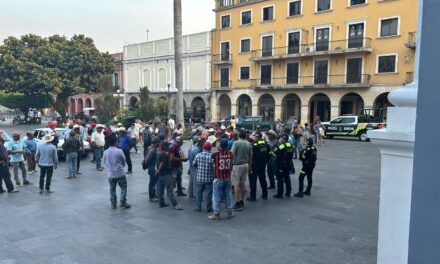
x=125 y=146
x=242 y=151
x=195 y=149
x=272 y=164
x=47 y=159
x=284 y=154
x=30 y=146
x=204 y=178
x=147 y=137
x=5 y=175
x=260 y=156
x=222 y=182
x=98 y=142
x=150 y=161
x=223 y=131
x=16 y=151
x=176 y=159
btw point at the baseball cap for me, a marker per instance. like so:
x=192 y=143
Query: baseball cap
x=207 y=145
x=258 y=134
x=224 y=144
x=155 y=140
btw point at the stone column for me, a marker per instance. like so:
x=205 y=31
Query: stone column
x=233 y=109
x=334 y=111
x=278 y=110
x=213 y=113
x=254 y=109
x=305 y=114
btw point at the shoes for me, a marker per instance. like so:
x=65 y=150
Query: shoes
x=49 y=191
x=215 y=217
x=129 y=172
x=92 y=161
x=41 y=191
x=183 y=188
x=2 y=191
x=271 y=187
x=78 y=172
x=26 y=182
x=251 y=199
x=13 y=191
x=278 y=196
x=263 y=197
x=153 y=200
x=68 y=178
x=298 y=195
x=137 y=152
x=307 y=193
x=163 y=205
x=113 y=206
x=125 y=206
x=230 y=215
x=18 y=183
x=287 y=195
x=100 y=168
x=181 y=194
x=238 y=207
x=178 y=207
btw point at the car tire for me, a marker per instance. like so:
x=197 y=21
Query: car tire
x=363 y=136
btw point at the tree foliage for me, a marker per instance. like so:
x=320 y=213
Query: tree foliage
x=21 y=101
x=107 y=106
x=53 y=67
x=149 y=108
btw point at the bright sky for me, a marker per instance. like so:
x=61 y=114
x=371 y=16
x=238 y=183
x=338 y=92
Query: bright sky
x=111 y=23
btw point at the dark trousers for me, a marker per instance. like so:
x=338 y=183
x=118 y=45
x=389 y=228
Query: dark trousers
x=305 y=172
x=128 y=159
x=134 y=144
x=78 y=160
x=152 y=184
x=283 y=178
x=271 y=169
x=260 y=174
x=45 y=172
x=5 y=176
x=177 y=178
x=122 y=182
x=146 y=145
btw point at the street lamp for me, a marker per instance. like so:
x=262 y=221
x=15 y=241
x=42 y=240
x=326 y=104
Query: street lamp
x=119 y=97
x=168 y=101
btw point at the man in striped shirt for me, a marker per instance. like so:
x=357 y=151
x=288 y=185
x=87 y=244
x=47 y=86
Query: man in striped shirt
x=222 y=183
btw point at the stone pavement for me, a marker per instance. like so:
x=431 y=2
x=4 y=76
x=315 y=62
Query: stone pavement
x=337 y=224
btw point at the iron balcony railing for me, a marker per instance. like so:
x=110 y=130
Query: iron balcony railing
x=412 y=40
x=313 y=49
x=222 y=58
x=345 y=80
x=221 y=84
x=232 y=3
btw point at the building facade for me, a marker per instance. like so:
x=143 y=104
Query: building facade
x=307 y=58
x=151 y=65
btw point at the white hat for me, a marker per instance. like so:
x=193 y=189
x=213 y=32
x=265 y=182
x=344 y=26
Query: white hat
x=212 y=139
x=223 y=127
x=48 y=138
x=76 y=126
x=100 y=126
x=121 y=129
x=211 y=130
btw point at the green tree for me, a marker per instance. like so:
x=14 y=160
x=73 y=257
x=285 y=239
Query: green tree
x=22 y=102
x=107 y=106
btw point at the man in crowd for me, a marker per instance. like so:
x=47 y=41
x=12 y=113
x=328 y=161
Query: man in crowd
x=260 y=156
x=176 y=159
x=47 y=159
x=125 y=146
x=242 y=165
x=204 y=179
x=272 y=164
x=30 y=146
x=114 y=161
x=16 y=150
x=71 y=147
x=150 y=161
x=163 y=131
x=195 y=149
x=163 y=173
x=80 y=137
x=147 y=137
x=98 y=143
x=222 y=183
x=133 y=131
x=4 y=169
x=308 y=157
x=284 y=154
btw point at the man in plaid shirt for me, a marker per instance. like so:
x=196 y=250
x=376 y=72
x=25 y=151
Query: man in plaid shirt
x=204 y=178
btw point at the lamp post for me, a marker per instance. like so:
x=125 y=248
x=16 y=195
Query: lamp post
x=119 y=98
x=168 y=100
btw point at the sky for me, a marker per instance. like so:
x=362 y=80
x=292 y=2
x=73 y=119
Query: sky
x=111 y=23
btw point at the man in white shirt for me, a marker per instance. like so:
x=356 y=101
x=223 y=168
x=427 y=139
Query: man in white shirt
x=171 y=124
x=98 y=143
x=133 y=131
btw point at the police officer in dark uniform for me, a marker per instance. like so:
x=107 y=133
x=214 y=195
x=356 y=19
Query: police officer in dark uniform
x=260 y=156
x=284 y=154
x=308 y=157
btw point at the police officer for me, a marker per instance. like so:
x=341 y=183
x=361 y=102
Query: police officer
x=308 y=157
x=284 y=154
x=260 y=156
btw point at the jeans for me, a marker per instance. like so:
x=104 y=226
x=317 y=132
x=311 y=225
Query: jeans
x=122 y=182
x=297 y=149
x=128 y=159
x=45 y=172
x=134 y=144
x=192 y=181
x=71 y=163
x=22 y=167
x=260 y=175
x=177 y=178
x=78 y=160
x=305 y=172
x=222 y=188
x=98 y=156
x=152 y=184
x=146 y=146
x=207 y=188
x=164 y=182
x=6 y=177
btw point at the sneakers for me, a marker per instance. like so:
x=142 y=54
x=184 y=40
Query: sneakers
x=125 y=206
x=26 y=182
x=181 y=194
x=2 y=191
x=129 y=172
x=298 y=195
x=278 y=196
x=287 y=195
x=214 y=217
x=153 y=200
x=68 y=178
x=41 y=191
x=178 y=207
x=263 y=197
x=18 y=183
x=13 y=191
x=49 y=191
x=100 y=168
x=307 y=193
x=251 y=199
x=78 y=173
x=163 y=205
x=238 y=207
x=113 y=206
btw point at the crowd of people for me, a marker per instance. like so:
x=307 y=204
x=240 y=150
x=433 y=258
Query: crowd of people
x=221 y=159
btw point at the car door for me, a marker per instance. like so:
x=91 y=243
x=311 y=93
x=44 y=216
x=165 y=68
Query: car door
x=334 y=126
x=347 y=125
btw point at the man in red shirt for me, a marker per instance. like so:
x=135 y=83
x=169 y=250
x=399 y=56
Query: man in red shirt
x=176 y=159
x=222 y=183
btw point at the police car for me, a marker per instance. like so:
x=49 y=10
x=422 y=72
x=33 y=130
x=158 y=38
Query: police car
x=351 y=126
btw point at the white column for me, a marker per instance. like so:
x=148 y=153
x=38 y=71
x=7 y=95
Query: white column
x=278 y=110
x=304 y=114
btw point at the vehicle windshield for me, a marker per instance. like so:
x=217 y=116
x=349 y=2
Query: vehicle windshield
x=61 y=132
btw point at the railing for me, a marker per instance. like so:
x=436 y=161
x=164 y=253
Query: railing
x=311 y=49
x=350 y=80
x=221 y=85
x=231 y=3
x=409 y=77
x=412 y=40
x=222 y=58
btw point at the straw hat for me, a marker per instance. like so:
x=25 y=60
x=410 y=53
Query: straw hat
x=48 y=138
x=212 y=139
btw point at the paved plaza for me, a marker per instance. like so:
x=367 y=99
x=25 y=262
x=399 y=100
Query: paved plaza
x=75 y=224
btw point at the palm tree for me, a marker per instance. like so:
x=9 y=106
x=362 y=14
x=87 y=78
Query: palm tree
x=178 y=60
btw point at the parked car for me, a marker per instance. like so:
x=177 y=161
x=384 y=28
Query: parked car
x=351 y=126
x=62 y=133
x=251 y=122
x=227 y=119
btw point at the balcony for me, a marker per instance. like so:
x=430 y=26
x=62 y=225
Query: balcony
x=412 y=40
x=221 y=85
x=326 y=81
x=360 y=45
x=221 y=59
x=226 y=4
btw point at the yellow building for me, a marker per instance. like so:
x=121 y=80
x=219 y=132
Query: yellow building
x=285 y=58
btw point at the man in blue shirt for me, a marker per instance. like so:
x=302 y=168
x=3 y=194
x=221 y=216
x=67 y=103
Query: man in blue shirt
x=125 y=146
x=195 y=149
x=30 y=146
x=47 y=159
x=16 y=151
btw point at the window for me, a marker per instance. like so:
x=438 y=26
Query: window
x=355 y=35
x=116 y=79
x=322 y=39
x=225 y=51
x=348 y=120
x=267 y=46
x=292 y=73
x=295 y=8
x=226 y=21
x=293 y=42
x=245 y=45
x=245 y=72
x=246 y=17
x=321 y=72
x=323 y=5
x=266 y=74
x=268 y=13
x=387 y=64
x=389 y=27
x=224 y=77
x=354 y=70
x=357 y=2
